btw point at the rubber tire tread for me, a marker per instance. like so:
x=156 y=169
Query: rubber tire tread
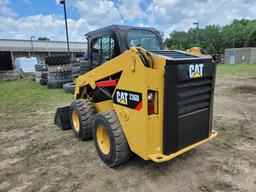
x=57 y=60
x=60 y=68
x=84 y=63
x=84 y=70
x=120 y=151
x=60 y=76
x=44 y=75
x=43 y=81
x=69 y=88
x=86 y=113
x=76 y=69
x=75 y=64
x=57 y=84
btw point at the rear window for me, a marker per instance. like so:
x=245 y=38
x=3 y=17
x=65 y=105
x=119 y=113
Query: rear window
x=143 y=38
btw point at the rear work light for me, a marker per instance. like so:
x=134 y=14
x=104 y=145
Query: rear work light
x=152 y=102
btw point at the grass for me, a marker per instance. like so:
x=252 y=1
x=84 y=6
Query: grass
x=237 y=69
x=26 y=97
x=35 y=148
x=228 y=133
x=24 y=103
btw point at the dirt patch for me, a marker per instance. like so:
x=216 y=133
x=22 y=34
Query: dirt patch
x=246 y=89
x=37 y=156
x=252 y=78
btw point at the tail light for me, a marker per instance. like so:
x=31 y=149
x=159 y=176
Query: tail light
x=152 y=102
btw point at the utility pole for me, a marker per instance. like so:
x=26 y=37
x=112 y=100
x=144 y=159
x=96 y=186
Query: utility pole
x=197 y=33
x=234 y=39
x=32 y=47
x=63 y=2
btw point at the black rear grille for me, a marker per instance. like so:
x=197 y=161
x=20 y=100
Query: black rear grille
x=194 y=95
x=187 y=104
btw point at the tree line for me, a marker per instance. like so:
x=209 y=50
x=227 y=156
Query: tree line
x=213 y=38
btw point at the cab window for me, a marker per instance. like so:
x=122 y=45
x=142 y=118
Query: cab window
x=102 y=50
x=143 y=38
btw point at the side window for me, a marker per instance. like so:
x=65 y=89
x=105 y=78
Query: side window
x=107 y=47
x=102 y=50
x=95 y=52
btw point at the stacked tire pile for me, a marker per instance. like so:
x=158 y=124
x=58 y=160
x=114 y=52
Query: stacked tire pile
x=70 y=87
x=59 y=71
x=76 y=68
x=41 y=74
x=84 y=67
x=79 y=68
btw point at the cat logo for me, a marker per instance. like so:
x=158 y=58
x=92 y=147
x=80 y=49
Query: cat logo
x=196 y=71
x=122 y=97
x=130 y=99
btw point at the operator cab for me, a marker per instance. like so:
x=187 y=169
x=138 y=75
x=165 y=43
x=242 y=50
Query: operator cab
x=106 y=43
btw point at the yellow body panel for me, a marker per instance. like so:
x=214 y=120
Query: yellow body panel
x=158 y=158
x=143 y=132
x=196 y=51
x=104 y=106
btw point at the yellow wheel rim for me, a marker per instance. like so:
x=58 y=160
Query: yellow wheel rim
x=103 y=139
x=75 y=120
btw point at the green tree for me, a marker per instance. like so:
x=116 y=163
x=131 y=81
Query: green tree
x=179 y=40
x=213 y=38
x=251 y=40
x=234 y=35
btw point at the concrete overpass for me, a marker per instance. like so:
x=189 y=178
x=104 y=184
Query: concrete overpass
x=10 y=49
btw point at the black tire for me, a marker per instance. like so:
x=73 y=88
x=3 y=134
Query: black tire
x=84 y=63
x=40 y=67
x=43 y=81
x=84 y=70
x=86 y=113
x=57 y=60
x=60 y=76
x=57 y=84
x=69 y=88
x=60 y=68
x=119 y=149
x=44 y=75
x=75 y=64
x=76 y=69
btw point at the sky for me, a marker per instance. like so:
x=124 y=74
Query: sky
x=20 y=19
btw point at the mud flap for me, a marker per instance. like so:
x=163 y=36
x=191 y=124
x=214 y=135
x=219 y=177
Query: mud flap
x=62 y=118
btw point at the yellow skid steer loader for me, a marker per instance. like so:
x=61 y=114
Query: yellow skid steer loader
x=139 y=98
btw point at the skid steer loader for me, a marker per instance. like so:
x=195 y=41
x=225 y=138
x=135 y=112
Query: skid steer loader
x=138 y=98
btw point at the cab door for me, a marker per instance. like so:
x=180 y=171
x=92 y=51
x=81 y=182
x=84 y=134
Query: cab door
x=102 y=49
